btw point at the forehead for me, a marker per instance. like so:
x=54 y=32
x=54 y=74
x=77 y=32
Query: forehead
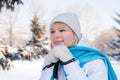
x=59 y=25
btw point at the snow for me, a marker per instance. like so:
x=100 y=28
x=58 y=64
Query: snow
x=30 y=70
x=23 y=70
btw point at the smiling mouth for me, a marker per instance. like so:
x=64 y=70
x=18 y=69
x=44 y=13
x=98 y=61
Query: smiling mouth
x=58 y=42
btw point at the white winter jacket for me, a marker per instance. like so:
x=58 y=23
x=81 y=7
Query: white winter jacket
x=93 y=70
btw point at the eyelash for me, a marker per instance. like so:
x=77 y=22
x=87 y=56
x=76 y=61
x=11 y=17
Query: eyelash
x=52 y=31
x=62 y=30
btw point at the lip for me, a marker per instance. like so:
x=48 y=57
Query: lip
x=58 y=42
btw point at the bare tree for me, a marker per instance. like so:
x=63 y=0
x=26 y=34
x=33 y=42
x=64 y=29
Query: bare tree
x=8 y=19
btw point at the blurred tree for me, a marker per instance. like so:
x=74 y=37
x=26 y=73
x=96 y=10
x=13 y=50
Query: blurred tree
x=109 y=41
x=117 y=20
x=115 y=42
x=36 y=46
x=101 y=42
x=9 y=23
x=33 y=49
x=38 y=31
x=9 y=4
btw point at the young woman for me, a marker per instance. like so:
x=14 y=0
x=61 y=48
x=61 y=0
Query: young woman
x=68 y=58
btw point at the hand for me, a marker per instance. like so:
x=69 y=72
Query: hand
x=49 y=58
x=61 y=52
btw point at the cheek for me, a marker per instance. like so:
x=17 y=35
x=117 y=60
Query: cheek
x=69 y=40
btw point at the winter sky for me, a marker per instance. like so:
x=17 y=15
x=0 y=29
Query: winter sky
x=105 y=8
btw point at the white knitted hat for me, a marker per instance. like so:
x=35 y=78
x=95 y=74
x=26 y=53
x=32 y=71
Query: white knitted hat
x=71 y=20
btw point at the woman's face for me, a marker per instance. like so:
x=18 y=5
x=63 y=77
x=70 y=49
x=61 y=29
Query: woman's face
x=61 y=34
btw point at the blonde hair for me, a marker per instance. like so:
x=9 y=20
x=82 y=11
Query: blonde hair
x=76 y=39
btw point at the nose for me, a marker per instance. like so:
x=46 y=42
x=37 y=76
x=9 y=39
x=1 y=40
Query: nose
x=57 y=34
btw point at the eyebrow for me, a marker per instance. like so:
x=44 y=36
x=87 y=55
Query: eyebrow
x=59 y=28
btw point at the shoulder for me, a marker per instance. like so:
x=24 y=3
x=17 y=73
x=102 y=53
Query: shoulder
x=96 y=70
x=97 y=62
x=95 y=66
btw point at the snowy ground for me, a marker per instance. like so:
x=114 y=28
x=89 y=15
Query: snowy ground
x=23 y=70
x=26 y=70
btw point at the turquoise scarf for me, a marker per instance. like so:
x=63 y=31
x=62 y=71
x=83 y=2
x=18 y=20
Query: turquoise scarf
x=85 y=54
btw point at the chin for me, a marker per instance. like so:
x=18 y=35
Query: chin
x=58 y=45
